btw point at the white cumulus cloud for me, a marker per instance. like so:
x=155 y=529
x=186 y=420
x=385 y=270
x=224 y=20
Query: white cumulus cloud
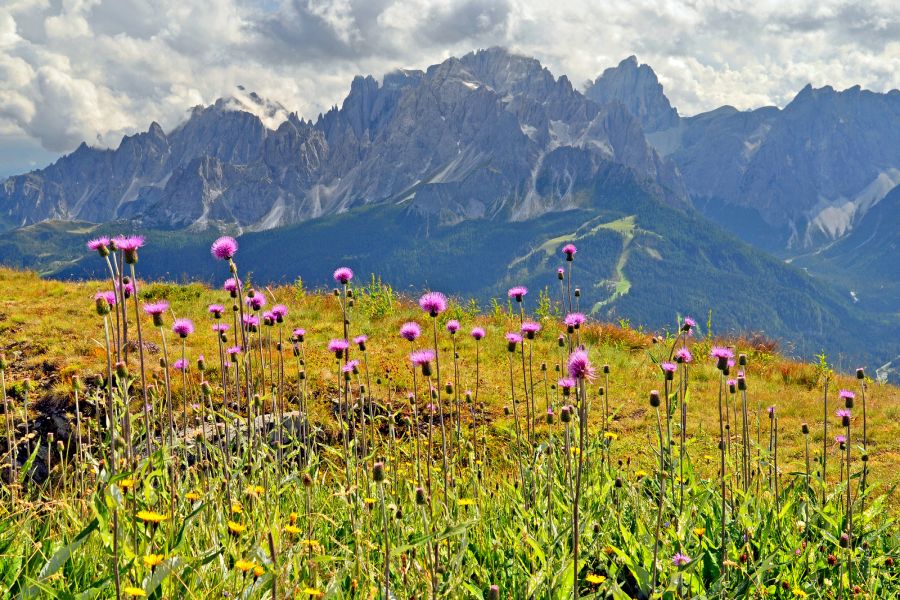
x=93 y=70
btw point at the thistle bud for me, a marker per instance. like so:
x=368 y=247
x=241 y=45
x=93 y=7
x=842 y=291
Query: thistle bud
x=742 y=360
x=606 y=369
x=307 y=480
x=550 y=416
x=618 y=482
x=494 y=592
x=76 y=383
x=654 y=398
x=565 y=415
x=420 y=496
x=601 y=391
x=742 y=383
x=860 y=373
x=577 y=292
x=121 y=370
x=804 y=428
x=205 y=389
x=378 y=472
x=102 y=306
x=448 y=387
x=201 y=363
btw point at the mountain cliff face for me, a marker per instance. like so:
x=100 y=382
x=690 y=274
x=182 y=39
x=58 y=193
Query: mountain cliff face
x=489 y=135
x=637 y=88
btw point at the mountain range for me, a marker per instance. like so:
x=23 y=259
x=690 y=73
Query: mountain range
x=470 y=173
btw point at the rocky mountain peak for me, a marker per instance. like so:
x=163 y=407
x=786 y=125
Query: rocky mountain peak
x=637 y=87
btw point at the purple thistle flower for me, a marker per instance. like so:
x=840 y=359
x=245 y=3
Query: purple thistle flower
x=181 y=364
x=216 y=310
x=410 y=331
x=730 y=363
x=129 y=243
x=232 y=285
x=434 y=303
x=452 y=326
x=560 y=272
x=220 y=327
x=680 y=560
x=477 y=333
x=580 y=366
x=224 y=248
x=683 y=355
x=299 y=333
x=421 y=357
x=269 y=318
x=689 y=325
x=338 y=346
x=517 y=293
x=183 y=327
x=156 y=308
x=360 y=339
x=574 y=319
x=250 y=321
x=731 y=383
x=569 y=250
x=350 y=366
x=256 y=302
x=128 y=289
x=513 y=338
x=100 y=244
x=844 y=394
x=280 y=312
x=840 y=439
x=842 y=413
x=343 y=275
x=720 y=353
x=110 y=297
x=668 y=367
x=234 y=350
x=530 y=328
x=771 y=411
x=566 y=383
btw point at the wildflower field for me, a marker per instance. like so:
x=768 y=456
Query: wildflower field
x=184 y=441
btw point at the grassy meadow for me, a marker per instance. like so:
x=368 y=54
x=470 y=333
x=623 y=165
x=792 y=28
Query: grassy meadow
x=360 y=483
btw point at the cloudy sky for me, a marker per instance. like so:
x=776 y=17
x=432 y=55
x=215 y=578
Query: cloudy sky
x=73 y=70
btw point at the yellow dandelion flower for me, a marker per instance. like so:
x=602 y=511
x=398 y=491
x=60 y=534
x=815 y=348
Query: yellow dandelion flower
x=369 y=501
x=258 y=571
x=292 y=529
x=148 y=516
x=609 y=550
x=192 y=496
x=465 y=502
x=313 y=592
x=798 y=593
x=479 y=463
x=255 y=490
x=293 y=517
x=640 y=474
x=576 y=450
x=708 y=457
x=237 y=508
x=312 y=543
x=134 y=592
x=126 y=483
x=236 y=528
x=243 y=565
x=595 y=579
x=611 y=436
x=153 y=560
x=699 y=531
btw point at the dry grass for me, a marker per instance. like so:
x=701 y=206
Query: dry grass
x=50 y=332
